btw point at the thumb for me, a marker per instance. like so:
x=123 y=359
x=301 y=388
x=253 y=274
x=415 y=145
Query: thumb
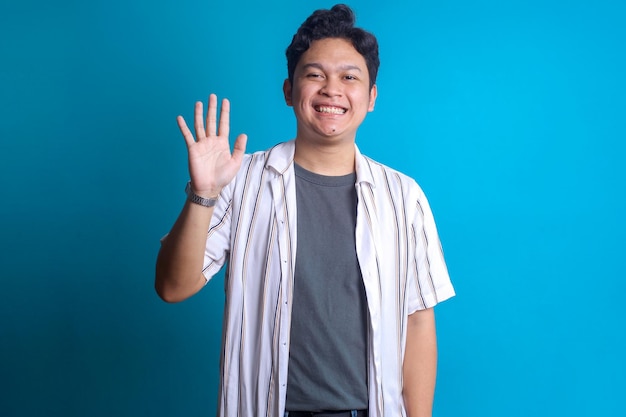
x=239 y=149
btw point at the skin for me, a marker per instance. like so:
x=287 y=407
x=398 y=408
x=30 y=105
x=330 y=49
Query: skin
x=211 y=167
x=419 y=370
x=330 y=75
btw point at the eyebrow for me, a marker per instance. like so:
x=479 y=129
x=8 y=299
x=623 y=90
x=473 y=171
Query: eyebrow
x=319 y=66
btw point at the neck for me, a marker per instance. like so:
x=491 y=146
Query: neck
x=331 y=160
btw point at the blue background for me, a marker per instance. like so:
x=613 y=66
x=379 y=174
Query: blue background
x=510 y=114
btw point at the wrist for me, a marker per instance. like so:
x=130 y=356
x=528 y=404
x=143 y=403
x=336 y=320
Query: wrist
x=208 y=200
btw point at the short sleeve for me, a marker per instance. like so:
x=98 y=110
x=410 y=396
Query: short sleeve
x=430 y=282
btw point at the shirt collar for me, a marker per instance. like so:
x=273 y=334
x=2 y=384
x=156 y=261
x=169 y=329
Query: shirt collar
x=363 y=168
x=280 y=159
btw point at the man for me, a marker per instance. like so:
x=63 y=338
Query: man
x=334 y=262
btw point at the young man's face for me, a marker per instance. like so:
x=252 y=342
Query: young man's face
x=330 y=92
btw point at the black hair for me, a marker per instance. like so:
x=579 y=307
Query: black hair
x=338 y=22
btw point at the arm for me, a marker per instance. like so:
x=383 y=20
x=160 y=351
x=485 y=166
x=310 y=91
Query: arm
x=211 y=167
x=420 y=364
x=180 y=259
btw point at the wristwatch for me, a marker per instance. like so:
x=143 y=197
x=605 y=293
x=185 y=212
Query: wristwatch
x=195 y=198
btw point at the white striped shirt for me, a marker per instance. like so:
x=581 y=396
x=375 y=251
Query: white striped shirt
x=254 y=229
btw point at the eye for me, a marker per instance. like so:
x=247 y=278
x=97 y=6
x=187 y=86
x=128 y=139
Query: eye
x=350 y=77
x=314 y=75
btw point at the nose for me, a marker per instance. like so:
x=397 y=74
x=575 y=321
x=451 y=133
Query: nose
x=332 y=87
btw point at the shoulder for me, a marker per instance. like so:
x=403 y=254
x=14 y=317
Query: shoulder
x=262 y=166
x=279 y=157
x=387 y=179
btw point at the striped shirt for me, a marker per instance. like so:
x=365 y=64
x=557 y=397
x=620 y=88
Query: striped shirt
x=253 y=231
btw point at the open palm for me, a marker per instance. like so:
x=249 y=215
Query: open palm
x=211 y=164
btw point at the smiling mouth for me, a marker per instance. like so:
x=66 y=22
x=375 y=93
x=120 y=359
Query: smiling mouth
x=330 y=110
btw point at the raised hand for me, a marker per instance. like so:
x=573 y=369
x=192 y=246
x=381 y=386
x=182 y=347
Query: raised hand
x=211 y=164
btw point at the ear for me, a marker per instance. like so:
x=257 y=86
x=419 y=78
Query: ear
x=287 y=92
x=373 y=95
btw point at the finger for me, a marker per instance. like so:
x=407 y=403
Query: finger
x=185 y=131
x=211 y=117
x=198 y=121
x=239 y=149
x=224 y=128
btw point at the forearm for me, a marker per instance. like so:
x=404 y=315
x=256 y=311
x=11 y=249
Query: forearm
x=211 y=167
x=420 y=364
x=180 y=259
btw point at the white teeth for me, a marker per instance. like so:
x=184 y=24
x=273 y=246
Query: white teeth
x=332 y=110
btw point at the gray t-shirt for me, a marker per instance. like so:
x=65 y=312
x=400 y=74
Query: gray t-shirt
x=328 y=353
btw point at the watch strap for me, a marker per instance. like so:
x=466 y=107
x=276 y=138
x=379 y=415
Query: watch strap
x=195 y=198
